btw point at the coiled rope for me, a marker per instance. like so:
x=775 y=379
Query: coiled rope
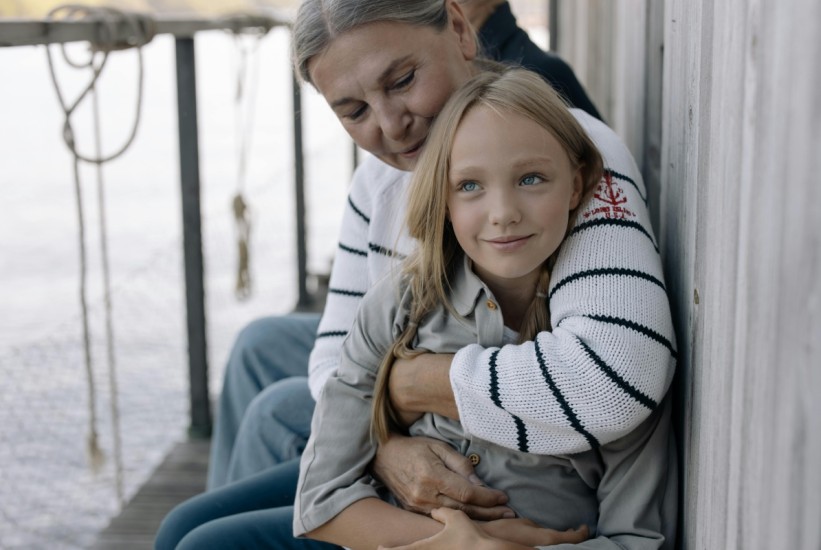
x=139 y=31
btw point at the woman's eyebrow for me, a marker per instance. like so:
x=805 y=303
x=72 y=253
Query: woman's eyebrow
x=386 y=74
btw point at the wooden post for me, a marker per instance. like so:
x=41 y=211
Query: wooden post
x=192 y=238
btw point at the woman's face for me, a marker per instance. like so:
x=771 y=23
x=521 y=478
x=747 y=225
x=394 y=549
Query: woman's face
x=387 y=81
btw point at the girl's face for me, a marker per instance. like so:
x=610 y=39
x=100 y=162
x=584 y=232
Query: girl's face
x=387 y=81
x=510 y=192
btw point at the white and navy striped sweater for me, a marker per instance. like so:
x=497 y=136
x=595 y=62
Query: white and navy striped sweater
x=611 y=355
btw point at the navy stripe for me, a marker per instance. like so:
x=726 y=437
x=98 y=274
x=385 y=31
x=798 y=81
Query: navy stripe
x=622 y=177
x=606 y=271
x=358 y=211
x=385 y=251
x=568 y=412
x=352 y=250
x=354 y=293
x=494 y=380
x=604 y=221
x=521 y=432
x=621 y=382
x=332 y=334
x=652 y=334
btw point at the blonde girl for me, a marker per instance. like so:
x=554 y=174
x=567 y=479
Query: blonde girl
x=430 y=268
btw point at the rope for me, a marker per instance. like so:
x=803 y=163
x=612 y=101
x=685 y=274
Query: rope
x=141 y=31
x=244 y=125
x=109 y=324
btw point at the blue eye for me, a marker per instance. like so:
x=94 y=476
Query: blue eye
x=469 y=186
x=531 y=179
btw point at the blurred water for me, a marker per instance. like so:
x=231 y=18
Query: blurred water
x=49 y=497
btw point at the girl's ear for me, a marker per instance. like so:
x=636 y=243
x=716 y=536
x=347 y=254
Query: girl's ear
x=459 y=24
x=578 y=187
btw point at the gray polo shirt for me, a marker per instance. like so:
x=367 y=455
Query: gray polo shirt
x=624 y=490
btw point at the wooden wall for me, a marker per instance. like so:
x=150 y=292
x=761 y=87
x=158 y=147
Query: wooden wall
x=729 y=124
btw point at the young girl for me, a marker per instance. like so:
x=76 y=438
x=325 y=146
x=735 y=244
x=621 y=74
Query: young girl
x=504 y=183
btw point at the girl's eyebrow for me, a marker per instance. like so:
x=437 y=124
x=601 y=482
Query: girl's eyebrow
x=532 y=160
x=383 y=77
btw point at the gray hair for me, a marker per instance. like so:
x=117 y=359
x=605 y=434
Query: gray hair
x=318 y=22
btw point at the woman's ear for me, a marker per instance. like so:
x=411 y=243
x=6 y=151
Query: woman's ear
x=460 y=25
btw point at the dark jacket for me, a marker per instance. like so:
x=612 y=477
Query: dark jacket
x=503 y=40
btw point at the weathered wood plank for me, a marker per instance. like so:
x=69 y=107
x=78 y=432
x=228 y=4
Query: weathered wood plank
x=180 y=476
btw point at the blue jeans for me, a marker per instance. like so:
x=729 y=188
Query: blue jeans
x=256 y=512
x=264 y=413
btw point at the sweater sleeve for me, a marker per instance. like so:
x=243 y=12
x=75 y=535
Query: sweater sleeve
x=611 y=355
x=347 y=285
x=358 y=262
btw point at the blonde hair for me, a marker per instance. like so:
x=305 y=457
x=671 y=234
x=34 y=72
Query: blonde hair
x=430 y=267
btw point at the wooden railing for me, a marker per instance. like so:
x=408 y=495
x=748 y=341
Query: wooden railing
x=22 y=32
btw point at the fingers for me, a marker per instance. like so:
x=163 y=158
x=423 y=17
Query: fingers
x=478 y=512
x=575 y=536
x=456 y=463
x=465 y=486
x=466 y=492
x=447 y=515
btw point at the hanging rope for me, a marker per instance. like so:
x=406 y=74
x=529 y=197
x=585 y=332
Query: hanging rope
x=246 y=50
x=140 y=32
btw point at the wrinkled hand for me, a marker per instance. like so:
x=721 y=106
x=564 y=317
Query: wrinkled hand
x=507 y=534
x=424 y=474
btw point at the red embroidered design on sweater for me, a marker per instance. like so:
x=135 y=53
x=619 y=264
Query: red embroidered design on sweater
x=610 y=193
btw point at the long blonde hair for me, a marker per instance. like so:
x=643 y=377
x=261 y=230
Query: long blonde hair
x=429 y=268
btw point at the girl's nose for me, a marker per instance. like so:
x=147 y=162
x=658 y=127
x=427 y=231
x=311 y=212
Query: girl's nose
x=504 y=210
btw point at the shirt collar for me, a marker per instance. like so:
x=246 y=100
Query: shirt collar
x=466 y=287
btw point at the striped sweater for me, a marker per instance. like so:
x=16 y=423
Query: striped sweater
x=611 y=355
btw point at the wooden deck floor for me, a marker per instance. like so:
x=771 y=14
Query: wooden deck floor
x=181 y=475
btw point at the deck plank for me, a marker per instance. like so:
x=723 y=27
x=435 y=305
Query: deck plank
x=180 y=476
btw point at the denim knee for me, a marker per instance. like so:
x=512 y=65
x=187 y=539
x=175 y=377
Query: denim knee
x=271 y=348
x=175 y=526
x=279 y=418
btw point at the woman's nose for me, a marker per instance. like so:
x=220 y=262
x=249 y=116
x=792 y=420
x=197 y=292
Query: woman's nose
x=395 y=121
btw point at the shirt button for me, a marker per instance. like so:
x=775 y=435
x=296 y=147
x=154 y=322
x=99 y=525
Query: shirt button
x=474 y=459
x=491 y=304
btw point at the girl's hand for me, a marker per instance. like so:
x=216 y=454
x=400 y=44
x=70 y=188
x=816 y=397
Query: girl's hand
x=506 y=534
x=528 y=533
x=459 y=532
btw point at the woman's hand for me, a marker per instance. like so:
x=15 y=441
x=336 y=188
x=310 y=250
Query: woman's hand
x=422 y=384
x=513 y=534
x=424 y=474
